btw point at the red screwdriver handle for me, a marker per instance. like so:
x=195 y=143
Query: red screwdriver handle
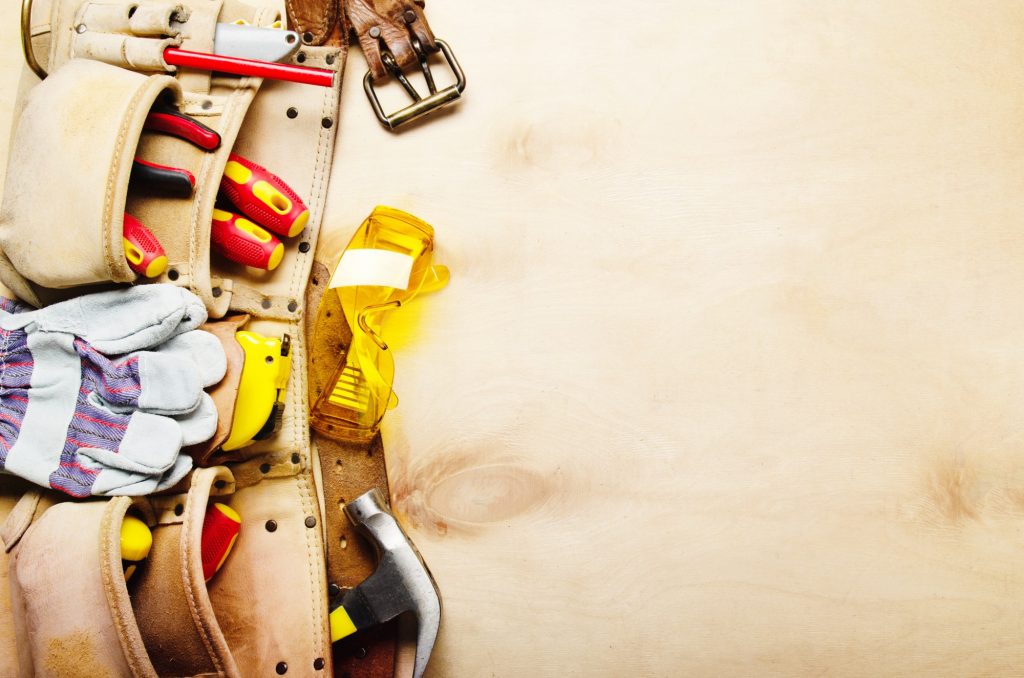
x=177 y=124
x=263 y=197
x=243 y=242
x=144 y=252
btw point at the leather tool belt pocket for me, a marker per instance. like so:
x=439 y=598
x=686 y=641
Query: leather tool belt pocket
x=77 y=135
x=70 y=596
x=64 y=200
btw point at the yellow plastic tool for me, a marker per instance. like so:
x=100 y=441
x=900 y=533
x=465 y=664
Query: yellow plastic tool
x=136 y=541
x=386 y=264
x=260 y=403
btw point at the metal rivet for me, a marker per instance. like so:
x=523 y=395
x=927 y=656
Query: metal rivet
x=361 y=653
x=318 y=663
x=296 y=458
x=206 y=105
x=265 y=303
x=282 y=668
x=81 y=28
x=178 y=509
x=375 y=32
x=307 y=37
x=304 y=247
x=310 y=521
x=343 y=541
x=217 y=291
x=292 y=112
x=409 y=16
x=172 y=274
x=271 y=525
x=300 y=57
x=329 y=59
x=264 y=468
x=327 y=122
x=333 y=590
x=293 y=306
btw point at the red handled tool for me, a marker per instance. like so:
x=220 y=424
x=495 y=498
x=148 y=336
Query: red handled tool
x=252 y=67
x=172 y=181
x=263 y=197
x=144 y=252
x=243 y=242
x=170 y=121
x=220 y=530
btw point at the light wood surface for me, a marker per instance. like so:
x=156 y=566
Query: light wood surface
x=729 y=377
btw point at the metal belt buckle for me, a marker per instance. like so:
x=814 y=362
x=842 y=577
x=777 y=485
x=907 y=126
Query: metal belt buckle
x=420 y=106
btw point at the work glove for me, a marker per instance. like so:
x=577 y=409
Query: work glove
x=98 y=394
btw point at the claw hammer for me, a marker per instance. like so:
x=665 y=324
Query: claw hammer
x=401 y=583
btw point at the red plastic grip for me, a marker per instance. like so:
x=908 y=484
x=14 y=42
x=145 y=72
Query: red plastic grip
x=144 y=252
x=243 y=242
x=221 y=526
x=184 y=127
x=262 y=196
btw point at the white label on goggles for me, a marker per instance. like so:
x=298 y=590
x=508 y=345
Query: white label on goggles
x=373 y=267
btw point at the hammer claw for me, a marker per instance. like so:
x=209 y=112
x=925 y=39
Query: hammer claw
x=400 y=584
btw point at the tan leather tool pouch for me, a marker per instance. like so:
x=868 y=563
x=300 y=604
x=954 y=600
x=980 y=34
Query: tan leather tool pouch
x=71 y=604
x=67 y=176
x=269 y=602
x=82 y=127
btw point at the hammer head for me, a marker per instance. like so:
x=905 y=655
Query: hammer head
x=401 y=583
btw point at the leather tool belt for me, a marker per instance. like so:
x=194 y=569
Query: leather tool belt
x=94 y=70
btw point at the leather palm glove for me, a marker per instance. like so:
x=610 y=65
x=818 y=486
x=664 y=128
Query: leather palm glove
x=98 y=394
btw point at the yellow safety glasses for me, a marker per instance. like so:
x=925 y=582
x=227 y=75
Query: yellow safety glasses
x=386 y=264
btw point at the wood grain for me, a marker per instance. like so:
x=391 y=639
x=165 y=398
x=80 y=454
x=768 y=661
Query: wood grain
x=727 y=381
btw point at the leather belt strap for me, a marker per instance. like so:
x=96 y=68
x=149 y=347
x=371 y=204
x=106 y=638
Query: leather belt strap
x=347 y=471
x=388 y=24
x=393 y=25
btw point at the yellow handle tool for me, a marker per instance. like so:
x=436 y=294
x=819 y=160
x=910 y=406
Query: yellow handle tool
x=260 y=403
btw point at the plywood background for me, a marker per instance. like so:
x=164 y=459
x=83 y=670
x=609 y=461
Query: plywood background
x=729 y=378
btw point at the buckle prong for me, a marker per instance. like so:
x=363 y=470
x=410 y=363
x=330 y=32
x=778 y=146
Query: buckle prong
x=420 y=106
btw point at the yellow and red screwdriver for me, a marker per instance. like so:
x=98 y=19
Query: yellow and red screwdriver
x=143 y=250
x=269 y=206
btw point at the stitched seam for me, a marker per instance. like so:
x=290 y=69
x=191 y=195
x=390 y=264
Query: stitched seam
x=301 y=428
x=321 y=25
x=108 y=200
x=106 y=547
x=186 y=547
